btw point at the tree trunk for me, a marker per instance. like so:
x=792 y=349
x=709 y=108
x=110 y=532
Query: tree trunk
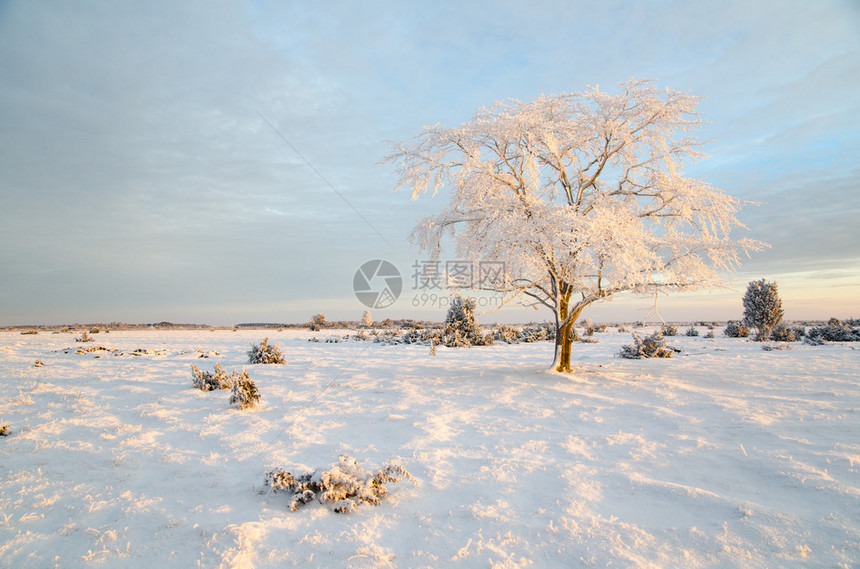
x=564 y=335
x=564 y=346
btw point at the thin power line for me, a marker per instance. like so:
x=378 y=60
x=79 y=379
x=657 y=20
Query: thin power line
x=323 y=178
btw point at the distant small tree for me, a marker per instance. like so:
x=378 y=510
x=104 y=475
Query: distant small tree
x=461 y=328
x=317 y=322
x=762 y=308
x=366 y=319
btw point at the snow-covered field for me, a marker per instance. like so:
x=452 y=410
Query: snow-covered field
x=725 y=456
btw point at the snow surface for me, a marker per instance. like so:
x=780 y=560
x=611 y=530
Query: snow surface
x=724 y=456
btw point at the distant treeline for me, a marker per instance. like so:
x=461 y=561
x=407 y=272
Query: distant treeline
x=407 y=323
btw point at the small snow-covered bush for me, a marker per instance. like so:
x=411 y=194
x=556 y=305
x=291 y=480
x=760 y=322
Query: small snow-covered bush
x=507 y=334
x=669 y=329
x=710 y=333
x=208 y=381
x=736 y=330
x=39 y=363
x=5 y=430
x=84 y=338
x=343 y=486
x=527 y=334
x=692 y=331
x=539 y=333
x=783 y=333
x=245 y=394
x=653 y=346
x=591 y=328
x=361 y=336
x=427 y=336
x=265 y=353
x=772 y=347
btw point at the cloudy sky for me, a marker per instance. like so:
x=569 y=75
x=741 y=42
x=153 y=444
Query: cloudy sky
x=140 y=181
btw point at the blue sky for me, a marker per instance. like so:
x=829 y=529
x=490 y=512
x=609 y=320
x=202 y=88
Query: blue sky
x=138 y=181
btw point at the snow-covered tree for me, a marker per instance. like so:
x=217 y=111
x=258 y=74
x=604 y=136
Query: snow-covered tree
x=461 y=328
x=318 y=322
x=762 y=308
x=367 y=319
x=581 y=195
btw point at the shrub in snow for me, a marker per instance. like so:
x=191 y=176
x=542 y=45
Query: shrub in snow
x=343 y=486
x=813 y=340
x=507 y=334
x=669 y=329
x=361 y=336
x=84 y=338
x=762 y=308
x=245 y=394
x=772 y=347
x=653 y=346
x=461 y=329
x=540 y=333
x=783 y=333
x=514 y=335
x=833 y=331
x=265 y=353
x=591 y=328
x=429 y=336
x=736 y=330
x=209 y=381
x=692 y=331
x=388 y=337
x=5 y=430
x=710 y=333
x=39 y=363
x=317 y=322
